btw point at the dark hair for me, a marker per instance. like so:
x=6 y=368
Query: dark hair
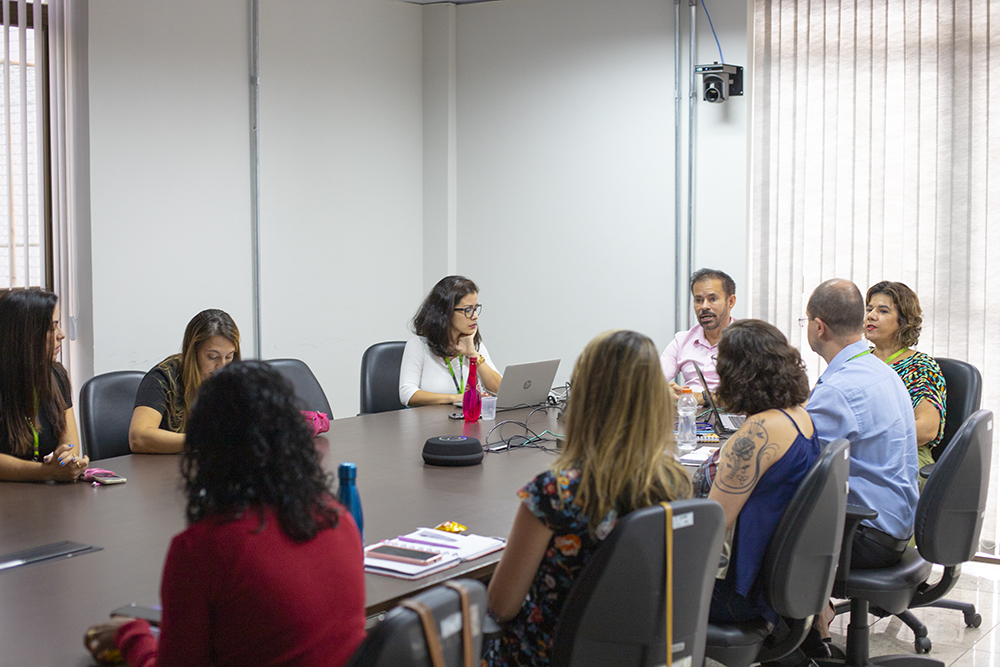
x=433 y=318
x=758 y=369
x=27 y=384
x=728 y=286
x=838 y=303
x=247 y=447
x=909 y=316
x=204 y=325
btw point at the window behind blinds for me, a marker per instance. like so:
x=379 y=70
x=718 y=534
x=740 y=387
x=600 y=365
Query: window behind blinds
x=25 y=237
x=876 y=156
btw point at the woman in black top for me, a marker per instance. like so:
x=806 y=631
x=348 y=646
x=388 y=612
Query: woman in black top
x=164 y=399
x=38 y=436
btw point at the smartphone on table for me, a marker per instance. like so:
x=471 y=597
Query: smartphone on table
x=402 y=554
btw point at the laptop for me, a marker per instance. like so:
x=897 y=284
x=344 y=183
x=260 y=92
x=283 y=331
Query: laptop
x=526 y=384
x=724 y=422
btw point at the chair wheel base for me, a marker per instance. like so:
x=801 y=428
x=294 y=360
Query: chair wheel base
x=973 y=620
x=922 y=645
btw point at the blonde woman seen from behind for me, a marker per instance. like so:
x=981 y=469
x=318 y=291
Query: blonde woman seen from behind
x=618 y=456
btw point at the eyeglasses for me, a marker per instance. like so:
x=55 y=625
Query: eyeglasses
x=471 y=310
x=803 y=322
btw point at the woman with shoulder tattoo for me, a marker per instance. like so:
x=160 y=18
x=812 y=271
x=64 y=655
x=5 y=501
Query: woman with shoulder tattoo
x=761 y=466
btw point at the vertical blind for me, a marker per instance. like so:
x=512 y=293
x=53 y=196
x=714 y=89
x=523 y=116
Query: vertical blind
x=23 y=237
x=876 y=156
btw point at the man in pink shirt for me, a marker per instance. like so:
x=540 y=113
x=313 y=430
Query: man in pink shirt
x=714 y=295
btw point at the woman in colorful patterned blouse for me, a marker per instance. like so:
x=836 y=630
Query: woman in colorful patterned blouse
x=618 y=456
x=893 y=327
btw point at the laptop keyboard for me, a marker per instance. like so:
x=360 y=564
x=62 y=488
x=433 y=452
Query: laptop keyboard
x=731 y=422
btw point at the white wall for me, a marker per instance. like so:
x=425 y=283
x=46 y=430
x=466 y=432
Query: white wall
x=341 y=187
x=170 y=196
x=566 y=169
x=558 y=156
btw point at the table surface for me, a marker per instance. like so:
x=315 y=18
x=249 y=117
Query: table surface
x=45 y=608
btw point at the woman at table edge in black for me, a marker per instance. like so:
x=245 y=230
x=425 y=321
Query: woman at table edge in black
x=436 y=360
x=166 y=394
x=38 y=436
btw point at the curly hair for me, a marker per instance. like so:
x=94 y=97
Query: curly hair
x=27 y=372
x=758 y=369
x=247 y=447
x=620 y=426
x=908 y=313
x=433 y=318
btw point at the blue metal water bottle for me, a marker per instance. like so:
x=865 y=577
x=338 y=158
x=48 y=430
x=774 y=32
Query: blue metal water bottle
x=348 y=496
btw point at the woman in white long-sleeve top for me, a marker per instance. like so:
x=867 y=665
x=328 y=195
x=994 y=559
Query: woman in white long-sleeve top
x=435 y=364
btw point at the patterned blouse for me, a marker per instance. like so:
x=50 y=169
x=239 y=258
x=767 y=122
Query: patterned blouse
x=923 y=379
x=527 y=639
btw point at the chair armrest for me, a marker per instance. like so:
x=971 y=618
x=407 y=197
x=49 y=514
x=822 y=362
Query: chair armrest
x=855 y=515
x=926 y=471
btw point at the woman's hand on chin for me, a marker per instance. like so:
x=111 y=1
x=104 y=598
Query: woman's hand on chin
x=466 y=346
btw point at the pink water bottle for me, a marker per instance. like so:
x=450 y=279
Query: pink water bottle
x=472 y=403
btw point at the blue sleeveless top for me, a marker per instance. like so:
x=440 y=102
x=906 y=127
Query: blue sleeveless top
x=762 y=511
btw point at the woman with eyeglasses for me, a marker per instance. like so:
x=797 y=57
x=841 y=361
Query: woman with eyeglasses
x=435 y=364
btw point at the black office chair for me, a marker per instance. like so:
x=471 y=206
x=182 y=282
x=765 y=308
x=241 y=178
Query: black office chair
x=308 y=391
x=380 y=377
x=947 y=526
x=106 y=405
x=965 y=391
x=615 y=613
x=421 y=632
x=798 y=570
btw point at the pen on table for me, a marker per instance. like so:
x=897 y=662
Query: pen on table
x=435 y=535
x=430 y=544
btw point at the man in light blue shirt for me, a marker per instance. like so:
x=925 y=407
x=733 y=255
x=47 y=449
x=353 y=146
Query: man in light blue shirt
x=859 y=397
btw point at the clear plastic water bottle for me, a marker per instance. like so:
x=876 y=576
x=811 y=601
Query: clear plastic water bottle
x=348 y=496
x=687 y=436
x=472 y=402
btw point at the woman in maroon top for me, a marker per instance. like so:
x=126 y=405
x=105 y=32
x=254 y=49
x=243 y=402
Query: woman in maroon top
x=270 y=569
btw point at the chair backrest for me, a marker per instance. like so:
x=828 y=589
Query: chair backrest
x=801 y=558
x=399 y=640
x=953 y=503
x=106 y=405
x=380 y=377
x=308 y=391
x=964 y=384
x=615 y=613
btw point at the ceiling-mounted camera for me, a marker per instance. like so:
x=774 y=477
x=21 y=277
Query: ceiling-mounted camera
x=720 y=81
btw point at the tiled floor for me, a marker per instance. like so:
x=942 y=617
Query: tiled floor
x=952 y=642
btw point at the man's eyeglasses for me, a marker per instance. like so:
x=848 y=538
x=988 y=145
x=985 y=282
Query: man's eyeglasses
x=471 y=310
x=803 y=322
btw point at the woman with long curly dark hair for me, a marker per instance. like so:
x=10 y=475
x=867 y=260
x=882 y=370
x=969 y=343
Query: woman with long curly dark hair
x=38 y=436
x=270 y=570
x=761 y=466
x=436 y=360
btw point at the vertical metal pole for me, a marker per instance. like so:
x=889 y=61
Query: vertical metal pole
x=692 y=97
x=255 y=171
x=679 y=279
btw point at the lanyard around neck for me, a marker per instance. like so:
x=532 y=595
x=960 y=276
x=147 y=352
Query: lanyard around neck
x=34 y=432
x=447 y=362
x=901 y=351
x=859 y=354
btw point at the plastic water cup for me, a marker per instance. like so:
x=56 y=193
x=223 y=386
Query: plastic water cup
x=489 y=408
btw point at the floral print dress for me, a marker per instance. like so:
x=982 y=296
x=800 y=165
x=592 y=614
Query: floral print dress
x=527 y=638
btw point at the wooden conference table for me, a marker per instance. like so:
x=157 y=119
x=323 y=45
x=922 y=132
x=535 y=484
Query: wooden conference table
x=45 y=608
